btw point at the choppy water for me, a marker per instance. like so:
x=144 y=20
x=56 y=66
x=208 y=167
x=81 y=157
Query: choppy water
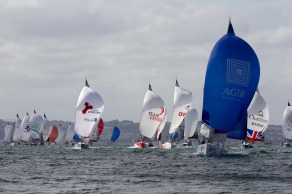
x=118 y=169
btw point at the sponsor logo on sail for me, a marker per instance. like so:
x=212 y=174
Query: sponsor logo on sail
x=155 y=117
x=238 y=72
x=87 y=107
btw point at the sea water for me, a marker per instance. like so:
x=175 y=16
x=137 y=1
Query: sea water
x=119 y=169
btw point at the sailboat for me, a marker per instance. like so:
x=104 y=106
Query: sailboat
x=253 y=123
x=115 y=135
x=89 y=108
x=70 y=133
x=181 y=103
x=25 y=129
x=53 y=135
x=287 y=126
x=153 y=113
x=17 y=131
x=97 y=131
x=61 y=134
x=46 y=130
x=190 y=125
x=9 y=130
x=231 y=80
x=36 y=123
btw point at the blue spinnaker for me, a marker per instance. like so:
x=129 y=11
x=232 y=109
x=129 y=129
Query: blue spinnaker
x=116 y=134
x=231 y=80
x=175 y=135
x=240 y=130
x=76 y=137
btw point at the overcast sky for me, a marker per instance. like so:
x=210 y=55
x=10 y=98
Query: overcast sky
x=47 y=48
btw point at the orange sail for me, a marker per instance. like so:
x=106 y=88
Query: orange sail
x=54 y=134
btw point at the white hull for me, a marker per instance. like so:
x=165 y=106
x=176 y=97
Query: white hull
x=210 y=149
x=80 y=145
x=167 y=145
x=286 y=145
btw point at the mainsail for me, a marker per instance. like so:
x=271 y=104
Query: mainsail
x=17 y=131
x=36 y=124
x=181 y=103
x=190 y=122
x=287 y=122
x=231 y=80
x=88 y=111
x=153 y=113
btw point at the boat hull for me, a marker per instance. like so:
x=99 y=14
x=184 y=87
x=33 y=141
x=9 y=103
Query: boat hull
x=167 y=145
x=286 y=145
x=209 y=149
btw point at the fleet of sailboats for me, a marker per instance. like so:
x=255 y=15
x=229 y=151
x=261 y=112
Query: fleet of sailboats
x=232 y=108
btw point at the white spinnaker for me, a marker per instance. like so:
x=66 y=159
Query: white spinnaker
x=258 y=114
x=287 y=123
x=153 y=113
x=60 y=135
x=191 y=119
x=36 y=123
x=17 y=131
x=9 y=129
x=161 y=126
x=70 y=132
x=88 y=111
x=24 y=128
x=47 y=129
x=181 y=103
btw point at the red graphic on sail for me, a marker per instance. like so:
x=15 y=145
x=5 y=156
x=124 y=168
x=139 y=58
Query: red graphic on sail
x=87 y=107
x=162 y=110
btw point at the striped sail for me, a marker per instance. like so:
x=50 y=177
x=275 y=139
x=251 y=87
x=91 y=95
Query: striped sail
x=36 y=124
